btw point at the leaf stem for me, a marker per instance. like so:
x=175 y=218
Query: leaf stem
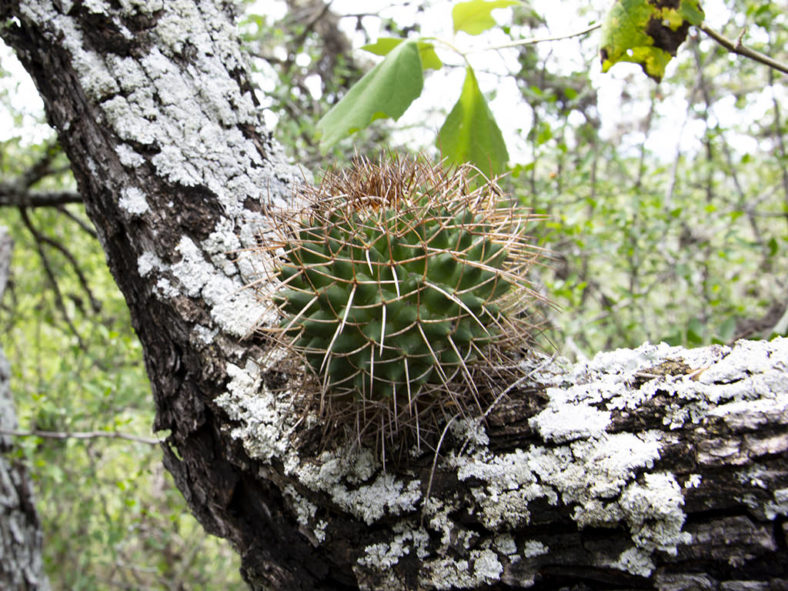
x=450 y=46
x=738 y=47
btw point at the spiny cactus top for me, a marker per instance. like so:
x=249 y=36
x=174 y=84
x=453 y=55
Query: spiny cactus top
x=398 y=282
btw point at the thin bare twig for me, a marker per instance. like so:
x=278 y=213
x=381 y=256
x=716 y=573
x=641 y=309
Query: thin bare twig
x=59 y=302
x=84 y=226
x=739 y=48
x=95 y=305
x=81 y=435
x=535 y=40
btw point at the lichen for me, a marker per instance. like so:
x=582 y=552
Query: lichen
x=636 y=561
x=779 y=506
x=132 y=200
x=236 y=310
x=386 y=495
x=147 y=263
x=384 y=555
x=262 y=419
x=654 y=511
x=534 y=548
x=482 y=567
x=567 y=422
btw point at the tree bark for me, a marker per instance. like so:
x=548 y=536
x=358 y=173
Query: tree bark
x=657 y=468
x=21 y=567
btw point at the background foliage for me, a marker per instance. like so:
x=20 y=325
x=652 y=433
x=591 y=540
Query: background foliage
x=667 y=221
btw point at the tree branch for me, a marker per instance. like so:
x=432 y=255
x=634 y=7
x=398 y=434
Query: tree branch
x=59 y=301
x=81 y=435
x=11 y=196
x=739 y=48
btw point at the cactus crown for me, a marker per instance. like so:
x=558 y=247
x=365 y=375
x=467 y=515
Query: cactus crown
x=402 y=286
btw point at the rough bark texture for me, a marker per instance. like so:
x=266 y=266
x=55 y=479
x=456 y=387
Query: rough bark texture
x=656 y=468
x=21 y=567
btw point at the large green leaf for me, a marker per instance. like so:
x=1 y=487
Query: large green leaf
x=385 y=91
x=384 y=45
x=470 y=133
x=647 y=32
x=474 y=16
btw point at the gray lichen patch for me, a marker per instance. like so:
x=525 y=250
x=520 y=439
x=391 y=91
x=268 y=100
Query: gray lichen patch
x=263 y=420
x=132 y=200
x=385 y=495
x=587 y=474
x=482 y=567
x=237 y=311
x=387 y=554
x=654 y=511
x=568 y=422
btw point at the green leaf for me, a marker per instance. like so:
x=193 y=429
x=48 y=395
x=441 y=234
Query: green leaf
x=727 y=330
x=695 y=331
x=470 y=133
x=385 y=91
x=773 y=246
x=429 y=59
x=645 y=33
x=474 y=17
x=384 y=45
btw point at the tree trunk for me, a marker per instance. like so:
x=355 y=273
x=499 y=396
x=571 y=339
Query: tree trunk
x=21 y=567
x=656 y=468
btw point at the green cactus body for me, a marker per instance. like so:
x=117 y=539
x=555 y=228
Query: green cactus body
x=391 y=299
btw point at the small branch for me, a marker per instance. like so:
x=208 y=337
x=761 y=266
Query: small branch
x=737 y=47
x=81 y=435
x=78 y=221
x=535 y=40
x=40 y=169
x=13 y=196
x=95 y=305
x=59 y=303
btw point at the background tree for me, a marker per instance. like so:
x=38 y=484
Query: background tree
x=20 y=529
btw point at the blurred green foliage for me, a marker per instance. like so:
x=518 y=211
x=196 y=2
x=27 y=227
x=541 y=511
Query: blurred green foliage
x=646 y=242
x=111 y=515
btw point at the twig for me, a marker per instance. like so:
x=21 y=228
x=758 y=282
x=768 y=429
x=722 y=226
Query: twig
x=737 y=47
x=535 y=40
x=14 y=196
x=78 y=221
x=95 y=305
x=59 y=303
x=81 y=435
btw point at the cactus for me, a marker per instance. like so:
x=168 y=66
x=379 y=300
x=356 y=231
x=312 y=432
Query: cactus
x=398 y=281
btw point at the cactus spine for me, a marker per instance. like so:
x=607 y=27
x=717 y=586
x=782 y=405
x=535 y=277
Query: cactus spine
x=400 y=285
